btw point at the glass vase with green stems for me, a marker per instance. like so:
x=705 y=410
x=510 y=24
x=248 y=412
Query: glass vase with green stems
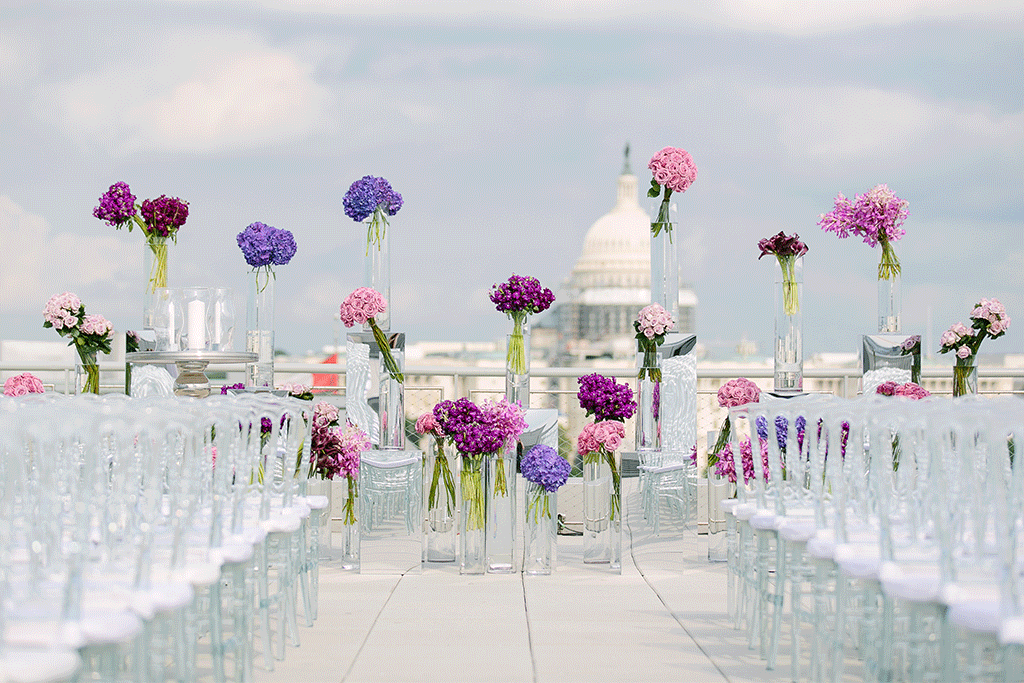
x=595 y=458
x=442 y=472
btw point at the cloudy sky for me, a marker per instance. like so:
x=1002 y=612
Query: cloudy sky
x=503 y=124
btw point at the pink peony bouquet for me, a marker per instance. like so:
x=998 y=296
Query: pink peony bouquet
x=910 y=390
x=672 y=170
x=90 y=334
x=25 y=383
x=360 y=307
x=598 y=441
x=651 y=325
x=735 y=392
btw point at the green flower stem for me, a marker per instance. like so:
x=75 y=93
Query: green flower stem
x=593 y=458
x=723 y=438
x=961 y=373
x=889 y=266
x=500 y=483
x=663 y=221
x=158 y=273
x=650 y=365
x=350 y=502
x=92 y=369
x=790 y=290
x=376 y=228
x=473 y=492
x=539 y=505
x=517 y=344
x=385 y=352
x=441 y=471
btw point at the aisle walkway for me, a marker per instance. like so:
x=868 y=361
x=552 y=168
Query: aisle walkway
x=663 y=619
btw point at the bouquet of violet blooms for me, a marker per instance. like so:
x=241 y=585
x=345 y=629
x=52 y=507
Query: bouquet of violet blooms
x=673 y=171
x=474 y=437
x=159 y=219
x=265 y=246
x=372 y=197
x=651 y=325
x=427 y=423
x=787 y=250
x=543 y=466
x=599 y=441
x=360 y=307
x=605 y=399
x=90 y=334
x=336 y=452
x=519 y=297
x=877 y=216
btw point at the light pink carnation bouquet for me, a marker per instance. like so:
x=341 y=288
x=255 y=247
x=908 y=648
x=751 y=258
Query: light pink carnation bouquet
x=90 y=334
x=600 y=440
x=360 y=307
x=651 y=325
x=25 y=383
x=735 y=392
x=673 y=171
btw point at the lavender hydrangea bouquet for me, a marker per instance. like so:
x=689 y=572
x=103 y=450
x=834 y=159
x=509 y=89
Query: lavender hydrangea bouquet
x=519 y=297
x=265 y=246
x=90 y=334
x=372 y=197
x=546 y=472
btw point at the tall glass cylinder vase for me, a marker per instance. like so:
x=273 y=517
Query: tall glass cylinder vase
x=789 y=345
x=348 y=540
x=87 y=374
x=648 y=414
x=473 y=518
x=665 y=269
x=378 y=275
x=259 y=337
x=602 y=509
x=154 y=268
x=440 y=502
x=320 y=517
x=540 y=534
x=391 y=394
x=517 y=364
x=965 y=377
x=890 y=304
x=501 y=511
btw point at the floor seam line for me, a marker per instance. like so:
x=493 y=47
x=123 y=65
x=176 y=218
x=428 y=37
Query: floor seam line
x=369 y=631
x=529 y=630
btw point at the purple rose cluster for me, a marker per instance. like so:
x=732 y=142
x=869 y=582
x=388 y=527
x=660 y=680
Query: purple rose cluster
x=480 y=430
x=264 y=246
x=543 y=466
x=336 y=451
x=605 y=399
x=368 y=194
x=876 y=216
x=521 y=293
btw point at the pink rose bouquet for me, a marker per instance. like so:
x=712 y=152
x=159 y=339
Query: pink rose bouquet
x=600 y=440
x=988 y=319
x=651 y=325
x=735 y=392
x=672 y=170
x=360 y=307
x=89 y=334
x=428 y=424
x=910 y=390
x=336 y=452
x=877 y=216
x=25 y=383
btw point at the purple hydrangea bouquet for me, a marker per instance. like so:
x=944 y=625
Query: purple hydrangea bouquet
x=543 y=466
x=988 y=319
x=735 y=392
x=673 y=171
x=605 y=399
x=372 y=197
x=877 y=216
x=360 y=307
x=265 y=246
x=336 y=452
x=519 y=297
x=599 y=441
x=89 y=334
x=651 y=325
x=427 y=423
x=159 y=219
x=787 y=250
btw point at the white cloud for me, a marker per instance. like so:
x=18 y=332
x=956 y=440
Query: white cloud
x=191 y=91
x=62 y=260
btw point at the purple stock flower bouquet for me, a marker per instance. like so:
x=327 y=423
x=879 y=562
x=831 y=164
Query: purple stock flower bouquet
x=158 y=219
x=519 y=297
x=651 y=325
x=360 y=307
x=265 y=246
x=90 y=334
x=877 y=216
x=543 y=466
x=605 y=399
x=372 y=197
x=672 y=170
x=787 y=250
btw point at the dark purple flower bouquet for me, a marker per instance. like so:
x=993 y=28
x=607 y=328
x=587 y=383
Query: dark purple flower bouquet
x=605 y=399
x=787 y=249
x=264 y=246
x=372 y=197
x=543 y=466
x=519 y=297
x=158 y=219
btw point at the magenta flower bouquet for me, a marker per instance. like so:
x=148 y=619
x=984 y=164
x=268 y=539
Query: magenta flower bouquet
x=605 y=399
x=673 y=171
x=159 y=219
x=735 y=392
x=360 y=307
x=877 y=216
x=597 y=441
x=372 y=197
x=519 y=297
x=25 y=383
x=428 y=424
x=909 y=389
x=651 y=325
x=90 y=334
x=787 y=250
x=725 y=465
